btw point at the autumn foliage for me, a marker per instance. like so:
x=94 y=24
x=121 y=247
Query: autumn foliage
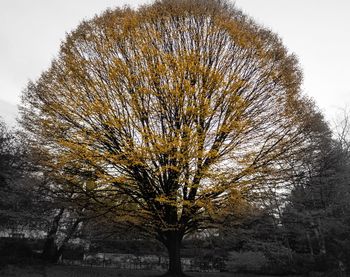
x=172 y=106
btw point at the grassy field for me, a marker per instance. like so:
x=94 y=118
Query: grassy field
x=76 y=271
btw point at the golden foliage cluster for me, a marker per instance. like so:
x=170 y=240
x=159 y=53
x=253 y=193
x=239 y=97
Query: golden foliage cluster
x=172 y=105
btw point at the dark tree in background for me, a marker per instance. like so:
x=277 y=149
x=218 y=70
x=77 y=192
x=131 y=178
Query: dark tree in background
x=13 y=197
x=317 y=215
x=7 y=154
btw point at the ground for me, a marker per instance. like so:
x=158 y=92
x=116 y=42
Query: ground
x=78 y=271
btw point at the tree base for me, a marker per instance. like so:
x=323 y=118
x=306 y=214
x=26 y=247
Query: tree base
x=172 y=274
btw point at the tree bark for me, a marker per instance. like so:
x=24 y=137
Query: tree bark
x=309 y=244
x=49 y=253
x=68 y=236
x=173 y=245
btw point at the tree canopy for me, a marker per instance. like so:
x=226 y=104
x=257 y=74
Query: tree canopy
x=172 y=106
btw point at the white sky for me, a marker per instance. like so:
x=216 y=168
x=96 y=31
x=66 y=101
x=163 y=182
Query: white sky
x=317 y=31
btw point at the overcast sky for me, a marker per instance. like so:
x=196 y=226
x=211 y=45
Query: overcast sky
x=317 y=31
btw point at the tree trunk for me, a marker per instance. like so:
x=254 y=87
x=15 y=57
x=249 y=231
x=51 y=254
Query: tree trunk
x=321 y=238
x=309 y=244
x=173 y=245
x=68 y=236
x=49 y=253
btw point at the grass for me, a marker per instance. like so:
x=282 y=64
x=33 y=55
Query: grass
x=78 y=271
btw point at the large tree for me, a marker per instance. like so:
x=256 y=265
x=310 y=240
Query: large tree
x=170 y=106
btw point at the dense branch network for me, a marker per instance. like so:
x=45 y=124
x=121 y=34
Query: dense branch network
x=172 y=106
